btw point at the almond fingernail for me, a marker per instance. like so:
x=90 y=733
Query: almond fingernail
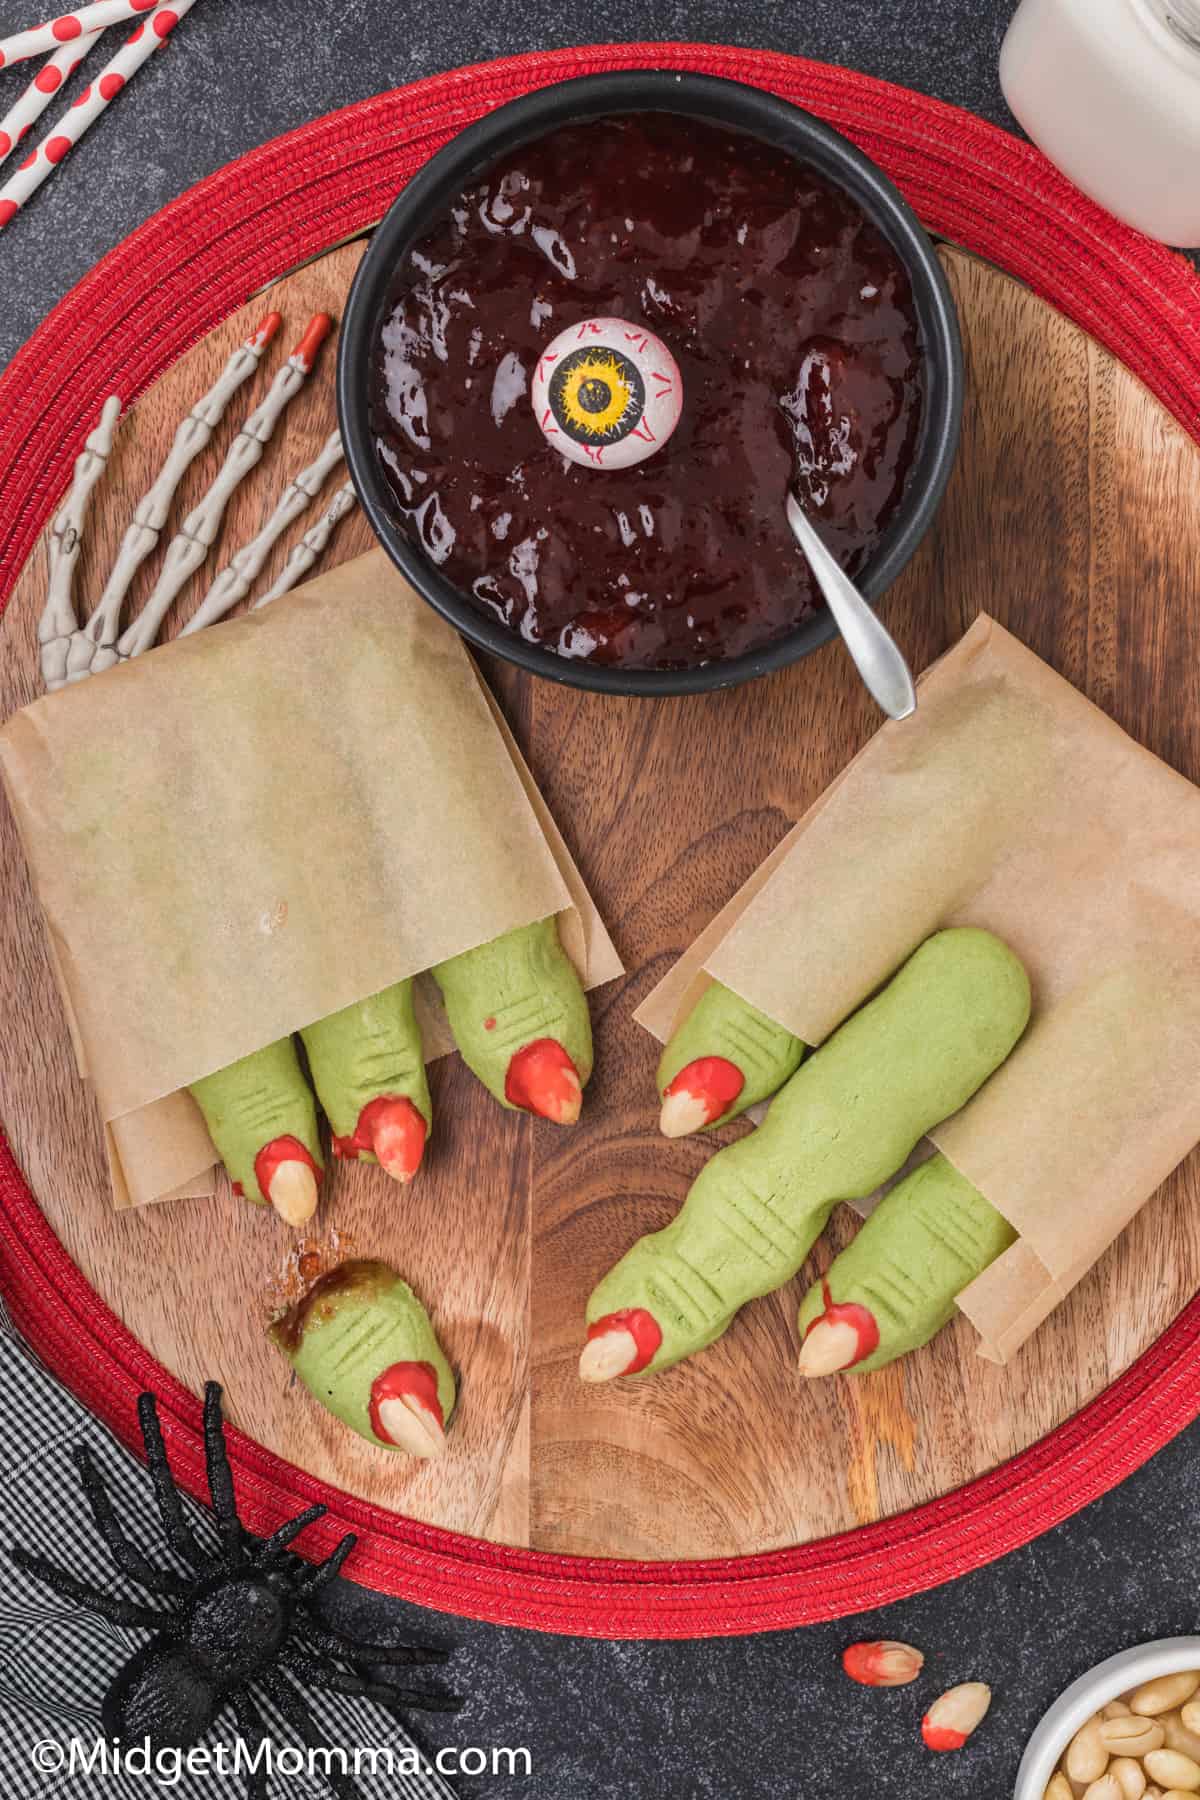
x=621 y=1343
x=954 y=1715
x=542 y=1079
x=884 y=1663
x=699 y=1094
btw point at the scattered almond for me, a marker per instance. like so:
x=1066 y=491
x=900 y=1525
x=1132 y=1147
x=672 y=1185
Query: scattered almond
x=1165 y=1693
x=954 y=1715
x=884 y=1663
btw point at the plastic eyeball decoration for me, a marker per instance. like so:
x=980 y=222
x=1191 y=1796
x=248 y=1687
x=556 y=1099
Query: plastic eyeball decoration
x=607 y=394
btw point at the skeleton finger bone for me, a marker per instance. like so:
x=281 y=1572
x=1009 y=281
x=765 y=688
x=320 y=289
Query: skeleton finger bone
x=96 y=647
x=305 y=553
x=236 y=579
x=188 y=551
x=58 y=626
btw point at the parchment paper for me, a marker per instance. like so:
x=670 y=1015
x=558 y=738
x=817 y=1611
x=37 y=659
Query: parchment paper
x=1008 y=801
x=247 y=829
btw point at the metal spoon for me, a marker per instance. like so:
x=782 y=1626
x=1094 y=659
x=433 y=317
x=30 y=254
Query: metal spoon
x=876 y=654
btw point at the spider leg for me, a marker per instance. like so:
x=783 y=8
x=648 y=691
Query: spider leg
x=176 y=1529
x=272 y=1548
x=220 y=1477
x=338 y=1643
x=291 y=1705
x=105 y=1606
x=253 y=1730
x=324 y=1572
x=333 y=1681
x=127 y=1557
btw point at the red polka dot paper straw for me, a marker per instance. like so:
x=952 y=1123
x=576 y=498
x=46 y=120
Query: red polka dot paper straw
x=150 y=36
x=54 y=73
x=43 y=40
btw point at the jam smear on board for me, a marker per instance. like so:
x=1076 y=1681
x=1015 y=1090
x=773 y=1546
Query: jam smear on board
x=793 y=324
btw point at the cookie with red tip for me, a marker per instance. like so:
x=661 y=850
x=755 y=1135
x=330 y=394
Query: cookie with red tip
x=368 y=1068
x=263 y=1122
x=519 y=1016
x=723 y=1057
x=897 y=1282
x=365 y=1348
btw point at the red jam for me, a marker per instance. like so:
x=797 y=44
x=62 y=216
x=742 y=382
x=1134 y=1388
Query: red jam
x=791 y=319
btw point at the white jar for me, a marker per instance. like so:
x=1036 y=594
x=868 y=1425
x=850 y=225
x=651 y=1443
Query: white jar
x=1110 y=90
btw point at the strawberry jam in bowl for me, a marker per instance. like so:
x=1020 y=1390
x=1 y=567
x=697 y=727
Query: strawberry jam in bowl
x=599 y=338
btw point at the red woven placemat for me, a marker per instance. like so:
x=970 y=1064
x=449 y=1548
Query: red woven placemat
x=166 y=287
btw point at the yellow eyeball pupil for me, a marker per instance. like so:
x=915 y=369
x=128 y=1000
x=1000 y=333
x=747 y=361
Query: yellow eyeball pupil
x=595 y=395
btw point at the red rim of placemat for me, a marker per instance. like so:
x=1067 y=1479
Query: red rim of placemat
x=165 y=288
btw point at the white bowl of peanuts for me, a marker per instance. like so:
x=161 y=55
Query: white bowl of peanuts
x=1127 y=1730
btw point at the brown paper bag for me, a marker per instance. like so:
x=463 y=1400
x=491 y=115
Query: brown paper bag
x=1011 y=802
x=247 y=829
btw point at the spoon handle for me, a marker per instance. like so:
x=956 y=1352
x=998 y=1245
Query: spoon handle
x=875 y=652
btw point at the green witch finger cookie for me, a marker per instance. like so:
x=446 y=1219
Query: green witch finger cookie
x=362 y=1344
x=520 y=1019
x=261 y=1117
x=723 y=1058
x=840 y=1127
x=369 y=1072
x=894 y=1287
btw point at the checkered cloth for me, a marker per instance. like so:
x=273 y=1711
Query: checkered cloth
x=56 y=1662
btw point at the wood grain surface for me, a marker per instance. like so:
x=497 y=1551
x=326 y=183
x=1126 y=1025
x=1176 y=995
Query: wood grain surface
x=1070 y=517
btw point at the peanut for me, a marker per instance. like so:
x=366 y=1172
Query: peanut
x=1116 y=1709
x=1189 y=1712
x=955 y=1714
x=1173 y=1768
x=883 y=1663
x=1087 y=1757
x=1131 y=1778
x=1180 y=1736
x=1132 y=1736
x=1106 y=1788
x=1164 y=1694
x=1059 y=1788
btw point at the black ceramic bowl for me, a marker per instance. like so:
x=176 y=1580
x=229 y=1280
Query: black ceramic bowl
x=727 y=103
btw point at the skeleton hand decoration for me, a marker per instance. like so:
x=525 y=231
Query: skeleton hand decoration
x=70 y=652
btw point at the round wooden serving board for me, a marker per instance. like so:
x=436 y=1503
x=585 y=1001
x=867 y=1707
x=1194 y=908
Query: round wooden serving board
x=1071 y=518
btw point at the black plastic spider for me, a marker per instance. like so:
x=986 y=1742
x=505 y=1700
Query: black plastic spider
x=243 y=1616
